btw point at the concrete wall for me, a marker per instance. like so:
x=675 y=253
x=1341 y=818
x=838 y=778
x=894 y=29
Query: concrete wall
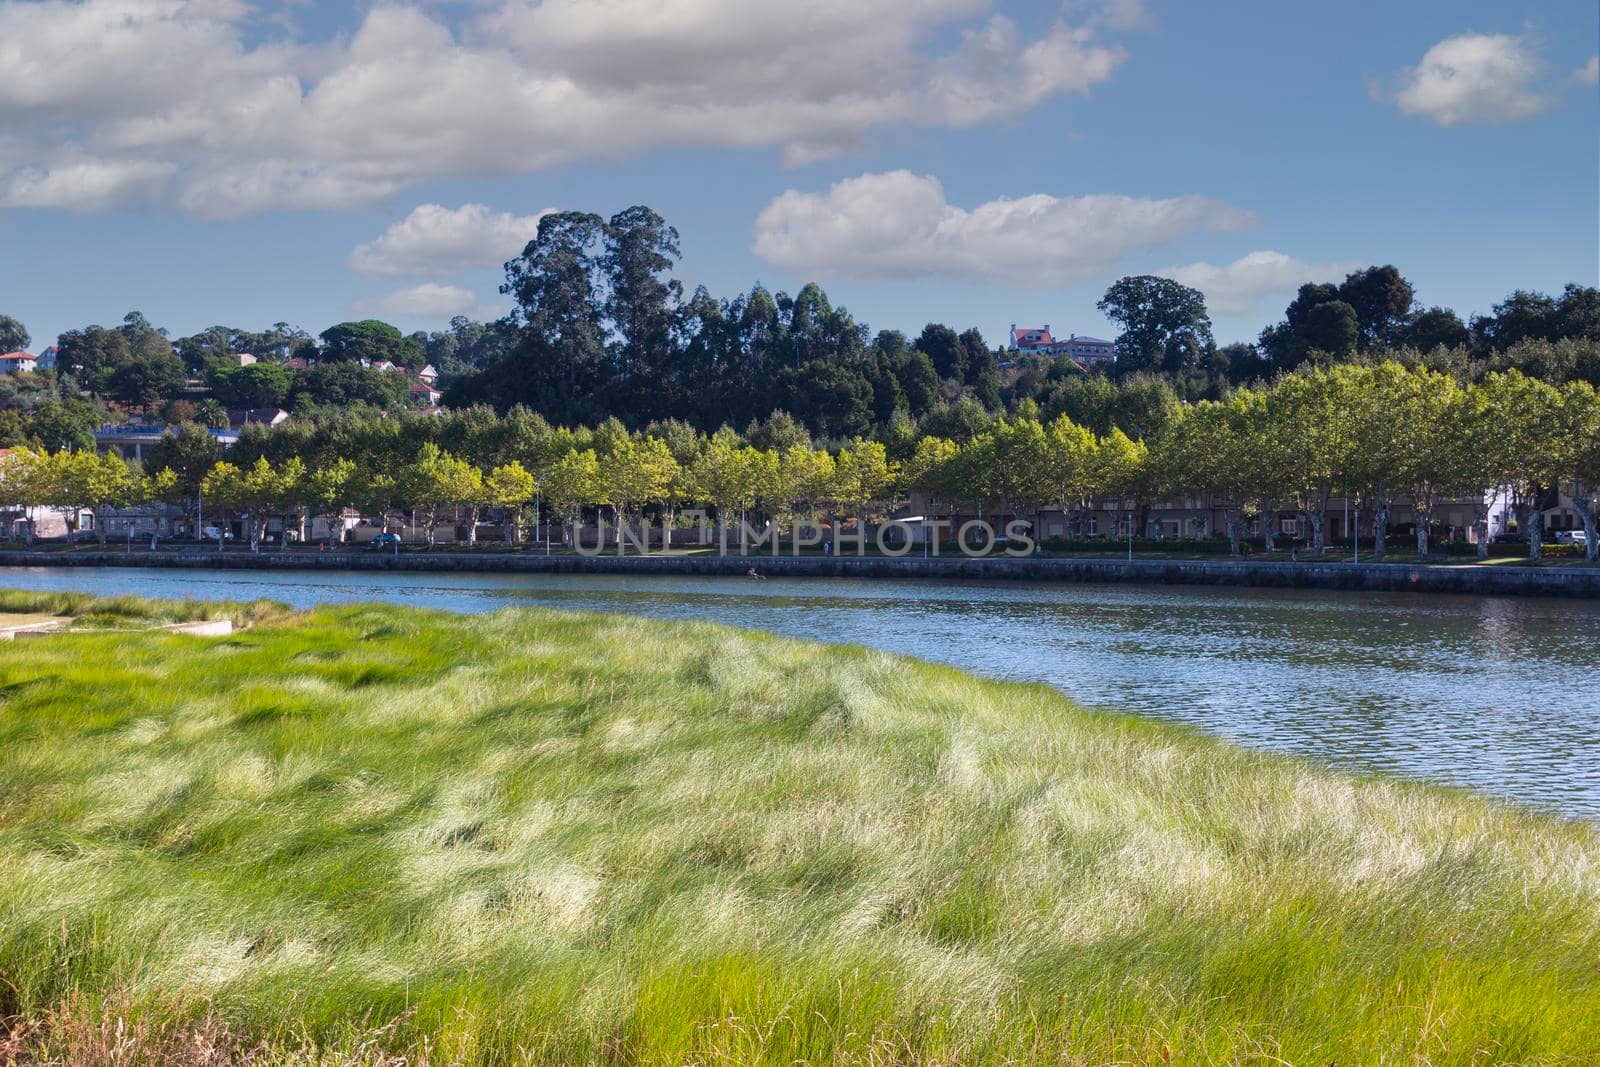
x=1499 y=579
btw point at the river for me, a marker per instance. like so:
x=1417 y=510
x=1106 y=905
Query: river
x=1498 y=694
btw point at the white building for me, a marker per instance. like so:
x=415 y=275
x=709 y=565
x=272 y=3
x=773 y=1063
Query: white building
x=1039 y=341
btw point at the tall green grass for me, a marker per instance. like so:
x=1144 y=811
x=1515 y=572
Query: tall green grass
x=90 y=610
x=534 y=837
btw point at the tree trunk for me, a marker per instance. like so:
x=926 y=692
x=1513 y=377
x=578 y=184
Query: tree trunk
x=1422 y=535
x=1318 y=543
x=1591 y=544
x=1269 y=518
x=1535 y=534
x=433 y=522
x=1380 y=530
x=1233 y=533
x=100 y=527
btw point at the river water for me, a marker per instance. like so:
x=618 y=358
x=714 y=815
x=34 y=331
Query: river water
x=1498 y=694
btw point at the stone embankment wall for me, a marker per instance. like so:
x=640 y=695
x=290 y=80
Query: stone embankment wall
x=1499 y=579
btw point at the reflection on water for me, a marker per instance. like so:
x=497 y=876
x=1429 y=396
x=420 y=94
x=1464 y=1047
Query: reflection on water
x=1501 y=694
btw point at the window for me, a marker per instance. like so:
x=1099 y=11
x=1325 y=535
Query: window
x=1290 y=527
x=1094 y=526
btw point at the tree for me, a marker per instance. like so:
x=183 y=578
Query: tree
x=635 y=471
x=257 y=385
x=572 y=481
x=509 y=487
x=369 y=339
x=439 y=480
x=944 y=350
x=559 y=359
x=1381 y=299
x=13 y=335
x=1393 y=413
x=1310 y=441
x=863 y=476
x=1436 y=327
x=1522 y=316
x=1068 y=468
x=1525 y=458
x=1577 y=440
x=642 y=305
x=1202 y=451
x=252 y=493
x=143 y=381
x=1331 y=327
x=190 y=453
x=1164 y=324
x=328 y=488
x=345 y=385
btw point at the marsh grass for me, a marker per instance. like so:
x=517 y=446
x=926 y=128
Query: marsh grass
x=88 y=610
x=376 y=832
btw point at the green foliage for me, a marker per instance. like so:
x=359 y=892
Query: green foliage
x=1165 y=326
x=369 y=340
x=256 y=385
x=13 y=335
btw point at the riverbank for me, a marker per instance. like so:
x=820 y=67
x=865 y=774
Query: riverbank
x=530 y=836
x=1497 y=579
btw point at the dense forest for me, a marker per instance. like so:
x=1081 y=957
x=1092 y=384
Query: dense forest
x=602 y=328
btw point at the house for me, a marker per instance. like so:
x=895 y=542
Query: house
x=18 y=362
x=1039 y=341
x=1033 y=340
x=243 y=359
x=425 y=393
x=238 y=418
x=428 y=374
x=386 y=365
x=1090 y=350
x=47 y=358
x=297 y=363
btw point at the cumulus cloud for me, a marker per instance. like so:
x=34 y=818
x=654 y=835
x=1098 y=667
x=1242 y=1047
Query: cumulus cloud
x=1474 y=77
x=85 y=185
x=1238 y=288
x=252 y=122
x=899 y=225
x=429 y=300
x=434 y=240
x=1589 y=73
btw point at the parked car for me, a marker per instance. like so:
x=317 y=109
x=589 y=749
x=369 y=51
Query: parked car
x=1572 y=537
x=385 y=540
x=215 y=533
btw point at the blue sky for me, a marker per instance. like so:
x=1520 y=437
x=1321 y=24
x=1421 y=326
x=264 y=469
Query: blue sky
x=966 y=161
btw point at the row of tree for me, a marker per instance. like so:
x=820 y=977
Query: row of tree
x=1375 y=435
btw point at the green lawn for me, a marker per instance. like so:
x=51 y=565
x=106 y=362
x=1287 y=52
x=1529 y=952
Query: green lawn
x=536 y=837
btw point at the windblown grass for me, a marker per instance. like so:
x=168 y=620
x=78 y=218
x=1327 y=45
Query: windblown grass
x=110 y=612
x=534 y=837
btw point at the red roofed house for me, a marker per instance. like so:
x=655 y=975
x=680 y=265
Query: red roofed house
x=18 y=362
x=1039 y=341
x=425 y=392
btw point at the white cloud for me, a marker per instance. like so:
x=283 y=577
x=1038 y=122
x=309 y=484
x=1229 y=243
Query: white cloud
x=429 y=300
x=1238 y=288
x=1474 y=78
x=85 y=185
x=899 y=225
x=434 y=241
x=252 y=123
x=1589 y=73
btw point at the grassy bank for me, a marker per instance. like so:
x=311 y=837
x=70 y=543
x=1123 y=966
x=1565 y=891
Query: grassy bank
x=527 y=836
x=127 y=611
